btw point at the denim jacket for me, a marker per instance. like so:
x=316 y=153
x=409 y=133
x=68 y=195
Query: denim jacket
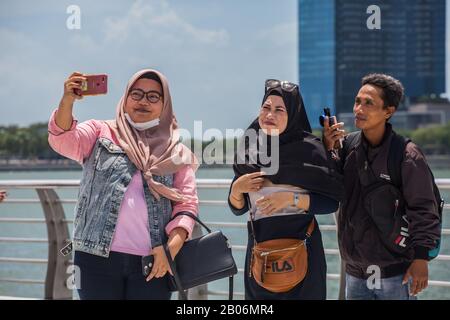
x=106 y=175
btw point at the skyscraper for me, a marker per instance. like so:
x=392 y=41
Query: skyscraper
x=337 y=48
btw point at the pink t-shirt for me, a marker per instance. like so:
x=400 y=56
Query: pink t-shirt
x=132 y=231
x=132 y=234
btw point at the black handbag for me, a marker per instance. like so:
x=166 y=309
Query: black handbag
x=201 y=260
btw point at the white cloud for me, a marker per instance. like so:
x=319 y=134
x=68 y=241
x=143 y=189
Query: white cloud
x=212 y=78
x=155 y=20
x=26 y=77
x=284 y=34
x=84 y=42
x=18 y=59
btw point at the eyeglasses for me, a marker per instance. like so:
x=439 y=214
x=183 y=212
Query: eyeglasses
x=285 y=85
x=138 y=95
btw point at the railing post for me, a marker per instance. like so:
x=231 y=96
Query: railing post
x=58 y=234
x=341 y=295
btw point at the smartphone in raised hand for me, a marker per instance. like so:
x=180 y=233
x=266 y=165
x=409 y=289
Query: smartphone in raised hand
x=94 y=84
x=331 y=119
x=326 y=113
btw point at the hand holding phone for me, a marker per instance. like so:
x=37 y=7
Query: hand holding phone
x=92 y=85
x=147 y=265
x=76 y=86
x=326 y=113
x=331 y=121
x=72 y=88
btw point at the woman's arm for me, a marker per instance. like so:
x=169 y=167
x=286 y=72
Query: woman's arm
x=177 y=237
x=240 y=186
x=320 y=204
x=236 y=199
x=180 y=228
x=184 y=181
x=313 y=203
x=237 y=211
x=65 y=136
x=75 y=143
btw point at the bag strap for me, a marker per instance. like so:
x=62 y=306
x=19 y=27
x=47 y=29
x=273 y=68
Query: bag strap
x=251 y=222
x=350 y=142
x=395 y=158
x=185 y=213
x=176 y=277
x=308 y=232
x=310 y=229
x=230 y=287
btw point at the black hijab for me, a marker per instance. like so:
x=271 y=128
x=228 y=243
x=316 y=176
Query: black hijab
x=303 y=160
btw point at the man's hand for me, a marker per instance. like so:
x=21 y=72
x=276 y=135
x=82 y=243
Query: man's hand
x=332 y=134
x=418 y=271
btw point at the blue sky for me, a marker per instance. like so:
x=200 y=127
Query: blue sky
x=216 y=55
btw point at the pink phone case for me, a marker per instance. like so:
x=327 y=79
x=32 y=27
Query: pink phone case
x=95 y=84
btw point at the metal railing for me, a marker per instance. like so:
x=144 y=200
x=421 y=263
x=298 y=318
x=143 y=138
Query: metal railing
x=58 y=235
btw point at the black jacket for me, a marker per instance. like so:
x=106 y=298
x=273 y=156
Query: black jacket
x=360 y=241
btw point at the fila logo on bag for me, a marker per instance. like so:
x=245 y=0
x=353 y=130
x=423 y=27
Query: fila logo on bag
x=280 y=266
x=401 y=239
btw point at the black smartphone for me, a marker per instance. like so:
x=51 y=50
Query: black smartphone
x=326 y=113
x=147 y=265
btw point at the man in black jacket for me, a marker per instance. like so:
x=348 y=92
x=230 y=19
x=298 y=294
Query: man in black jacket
x=378 y=267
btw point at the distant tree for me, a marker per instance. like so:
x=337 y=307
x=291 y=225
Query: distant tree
x=32 y=142
x=434 y=139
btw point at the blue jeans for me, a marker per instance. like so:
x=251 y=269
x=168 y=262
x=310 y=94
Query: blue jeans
x=118 y=277
x=389 y=289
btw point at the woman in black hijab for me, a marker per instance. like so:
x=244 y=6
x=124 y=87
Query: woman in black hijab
x=283 y=204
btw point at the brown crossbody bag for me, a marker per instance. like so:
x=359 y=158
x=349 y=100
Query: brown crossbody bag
x=279 y=265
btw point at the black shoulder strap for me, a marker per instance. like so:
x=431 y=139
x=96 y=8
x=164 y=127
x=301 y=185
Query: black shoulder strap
x=395 y=158
x=185 y=213
x=176 y=277
x=351 y=141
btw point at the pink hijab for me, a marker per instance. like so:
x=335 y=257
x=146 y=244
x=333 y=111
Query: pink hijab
x=155 y=151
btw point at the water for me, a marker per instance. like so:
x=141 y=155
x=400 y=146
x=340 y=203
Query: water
x=438 y=270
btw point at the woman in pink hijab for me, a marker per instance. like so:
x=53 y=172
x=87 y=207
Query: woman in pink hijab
x=136 y=177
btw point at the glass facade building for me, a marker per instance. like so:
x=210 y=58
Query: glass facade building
x=336 y=49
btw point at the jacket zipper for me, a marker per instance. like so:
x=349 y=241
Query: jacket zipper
x=396 y=207
x=266 y=253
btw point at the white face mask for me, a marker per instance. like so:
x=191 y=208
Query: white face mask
x=141 y=126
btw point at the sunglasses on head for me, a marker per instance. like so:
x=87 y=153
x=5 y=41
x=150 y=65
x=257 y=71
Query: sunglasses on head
x=285 y=85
